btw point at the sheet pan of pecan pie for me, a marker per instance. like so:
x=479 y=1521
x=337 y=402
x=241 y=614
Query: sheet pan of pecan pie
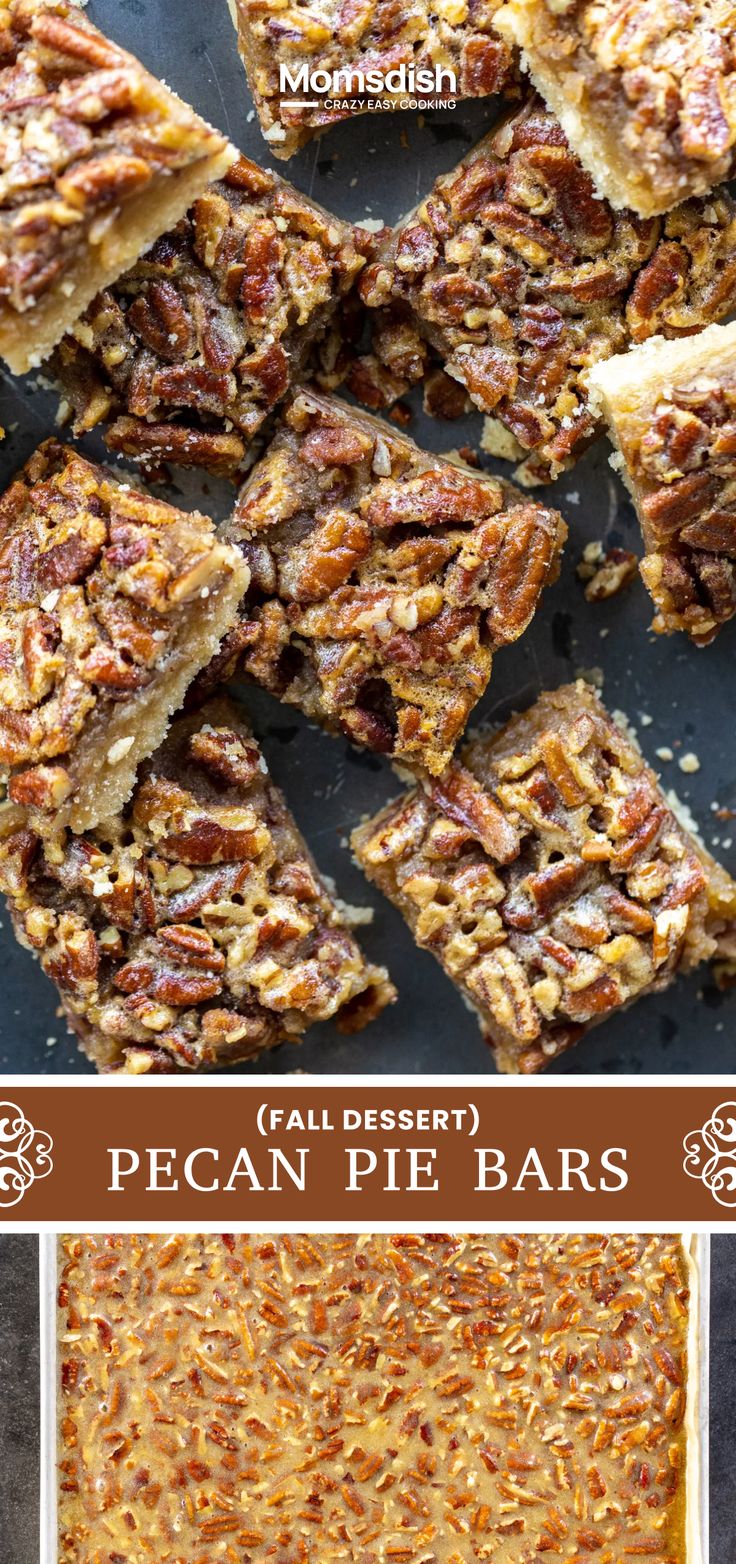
x=406 y=1397
x=367 y=539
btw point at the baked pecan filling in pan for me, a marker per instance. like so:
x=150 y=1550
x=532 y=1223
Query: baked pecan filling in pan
x=382 y=579
x=192 y=929
x=364 y=36
x=646 y=91
x=86 y=136
x=522 y=278
x=427 y=1399
x=672 y=413
x=549 y=876
x=110 y=602
x=187 y=354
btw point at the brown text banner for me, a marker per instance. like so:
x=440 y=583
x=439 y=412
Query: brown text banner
x=397 y=1153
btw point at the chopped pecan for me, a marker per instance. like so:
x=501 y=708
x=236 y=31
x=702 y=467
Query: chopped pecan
x=186 y=355
x=550 y=878
x=88 y=136
x=382 y=579
x=522 y=280
x=191 y=929
x=672 y=410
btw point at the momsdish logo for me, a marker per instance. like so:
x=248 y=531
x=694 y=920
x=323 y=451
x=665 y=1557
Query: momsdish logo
x=25 y=1154
x=350 y=87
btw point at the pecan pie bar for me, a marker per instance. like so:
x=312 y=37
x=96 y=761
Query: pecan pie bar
x=646 y=91
x=362 y=36
x=192 y=929
x=671 y=409
x=382 y=579
x=521 y=277
x=190 y=350
x=97 y=158
x=110 y=602
x=550 y=877
x=408 y=1397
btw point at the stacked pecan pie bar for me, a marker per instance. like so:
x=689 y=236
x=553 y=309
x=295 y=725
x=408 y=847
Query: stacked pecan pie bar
x=110 y=603
x=190 y=929
x=521 y=278
x=375 y=35
x=189 y=351
x=409 y=1397
x=671 y=409
x=646 y=92
x=550 y=877
x=97 y=159
x=382 y=579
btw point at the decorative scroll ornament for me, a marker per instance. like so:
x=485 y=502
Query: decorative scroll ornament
x=25 y=1154
x=710 y=1154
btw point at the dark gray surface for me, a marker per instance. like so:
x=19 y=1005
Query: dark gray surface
x=19 y=1399
x=19 y=1461
x=377 y=167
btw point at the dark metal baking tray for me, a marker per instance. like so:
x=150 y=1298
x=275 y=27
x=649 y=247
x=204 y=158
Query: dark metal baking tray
x=377 y=167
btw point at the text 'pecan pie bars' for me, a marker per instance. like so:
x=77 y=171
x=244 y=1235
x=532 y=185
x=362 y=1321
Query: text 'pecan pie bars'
x=192 y=348
x=646 y=90
x=192 y=929
x=97 y=158
x=550 y=877
x=382 y=579
x=521 y=278
x=110 y=602
x=423 y=1399
x=671 y=409
x=363 y=36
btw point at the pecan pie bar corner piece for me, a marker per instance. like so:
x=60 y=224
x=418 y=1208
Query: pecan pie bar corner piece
x=550 y=877
x=184 y=357
x=111 y=601
x=646 y=92
x=671 y=411
x=558 y=1418
x=382 y=579
x=522 y=278
x=363 y=36
x=97 y=158
x=192 y=929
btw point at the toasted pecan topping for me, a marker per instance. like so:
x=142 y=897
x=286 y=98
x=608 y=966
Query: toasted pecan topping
x=187 y=353
x=365 y=36
x=675 y=424
x=648 y=89
x=83 y=130
x=382 y=580
x=192 y=930
x=408 y=1397
x=562 y=888
x=97 y=582
x=522 y=278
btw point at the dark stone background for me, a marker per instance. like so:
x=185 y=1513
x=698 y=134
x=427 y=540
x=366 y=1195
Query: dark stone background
x=19 y=1468
x=378 y=167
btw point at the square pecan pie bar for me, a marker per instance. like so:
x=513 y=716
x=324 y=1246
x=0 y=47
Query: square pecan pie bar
x=363 y=36
x=413 y=1398
x=110 y=602
x=97 y=158
x=646 y=91
x=521 y=278
x=671 y=409
x=190 y=350
x=382 y=579
x=550 y=877
x=192 y=929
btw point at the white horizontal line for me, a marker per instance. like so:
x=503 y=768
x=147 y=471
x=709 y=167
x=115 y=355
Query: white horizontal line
x=297 y=103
